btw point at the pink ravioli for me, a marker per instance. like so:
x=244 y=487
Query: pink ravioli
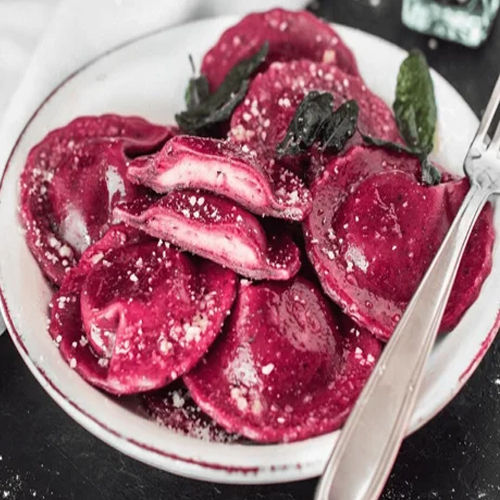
x=374 y=230
x=217 y=229
x=173 y=408
x=285 y=368
x=261 y=121
x=72 y=180
x=218 y=166
x=135 y=313
x=291 y=35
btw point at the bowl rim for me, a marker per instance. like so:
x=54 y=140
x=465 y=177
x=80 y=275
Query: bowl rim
x=176 y=463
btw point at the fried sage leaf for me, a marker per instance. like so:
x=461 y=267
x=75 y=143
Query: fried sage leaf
x=430 y=174
x=204 y=109
x=415 y=104
x=392 y=146
x=315 y=121
x=307 y=123
x=197 y=91
x=416 y=114
x=341 y=126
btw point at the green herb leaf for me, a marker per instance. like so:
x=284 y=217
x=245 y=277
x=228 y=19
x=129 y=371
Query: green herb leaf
x=306 y=125
x=415 y=105
x=341 y=126
x=430 y=174
x=416 y=115
x=200 y=119
x=204 y=109
x=197 y=91
x=315 y=121
x=392 y=146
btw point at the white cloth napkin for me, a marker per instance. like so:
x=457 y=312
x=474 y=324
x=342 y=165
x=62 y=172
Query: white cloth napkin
x=41 y=42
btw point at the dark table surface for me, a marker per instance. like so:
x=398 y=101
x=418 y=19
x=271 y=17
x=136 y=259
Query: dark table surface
x=45 y=454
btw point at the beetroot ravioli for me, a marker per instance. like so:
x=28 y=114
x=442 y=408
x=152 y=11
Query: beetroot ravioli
x=284 y=369
x=136 y=314
x=242 y=270
x=216 y=229
x=291 y=35
x=264 y=187
x=72 y=180
x=374 y=230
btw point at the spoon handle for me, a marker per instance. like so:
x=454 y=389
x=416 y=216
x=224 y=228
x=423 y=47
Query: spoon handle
x=368 y=445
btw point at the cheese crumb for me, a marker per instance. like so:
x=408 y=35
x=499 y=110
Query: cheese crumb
x=267 y=369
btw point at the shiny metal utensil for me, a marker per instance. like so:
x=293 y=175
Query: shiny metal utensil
x=370 y=440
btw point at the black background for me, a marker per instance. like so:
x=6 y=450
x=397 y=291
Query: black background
x=44 y=454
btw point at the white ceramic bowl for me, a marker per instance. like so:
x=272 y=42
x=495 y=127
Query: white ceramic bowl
x=147 y=77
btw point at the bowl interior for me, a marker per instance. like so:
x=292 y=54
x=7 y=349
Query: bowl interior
x=147 y=77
